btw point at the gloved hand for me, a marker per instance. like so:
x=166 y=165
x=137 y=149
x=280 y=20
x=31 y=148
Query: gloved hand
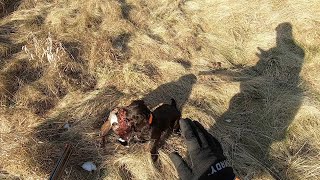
x=206 y=154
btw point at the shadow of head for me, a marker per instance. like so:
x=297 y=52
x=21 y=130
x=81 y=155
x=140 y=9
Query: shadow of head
x=284 y=31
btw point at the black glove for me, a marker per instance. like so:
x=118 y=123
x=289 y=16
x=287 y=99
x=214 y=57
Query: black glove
x=206 y=154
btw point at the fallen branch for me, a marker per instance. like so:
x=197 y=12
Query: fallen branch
x=61 y=164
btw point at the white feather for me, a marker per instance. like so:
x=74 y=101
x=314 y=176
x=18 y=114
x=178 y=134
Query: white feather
x=67 y=126
x=113 y=118
x=121 y=140
x=89 y=166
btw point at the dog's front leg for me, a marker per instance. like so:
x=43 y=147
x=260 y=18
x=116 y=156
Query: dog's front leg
x=156 y=141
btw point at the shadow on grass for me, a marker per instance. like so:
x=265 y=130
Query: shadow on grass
x=8 y=6
x=180 y=90
x=125 y=9
x=120 y=50
x=50 y=137
x=7 y=47
x=74 y=50
x=14 y=72
x=266 y=104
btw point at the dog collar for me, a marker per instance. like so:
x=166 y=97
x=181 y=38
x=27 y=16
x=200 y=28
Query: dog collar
x=150 y=119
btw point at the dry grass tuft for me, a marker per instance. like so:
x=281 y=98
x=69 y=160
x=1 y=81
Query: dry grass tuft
x=246 y=70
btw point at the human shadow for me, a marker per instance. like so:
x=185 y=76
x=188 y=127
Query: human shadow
x=268 y=101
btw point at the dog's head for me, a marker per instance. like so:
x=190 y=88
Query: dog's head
x=139 y=114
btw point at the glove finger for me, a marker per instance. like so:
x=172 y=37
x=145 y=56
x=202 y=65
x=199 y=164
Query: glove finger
x=202 y=134
x=189 y=132
x=212 y=141
x=182 y=167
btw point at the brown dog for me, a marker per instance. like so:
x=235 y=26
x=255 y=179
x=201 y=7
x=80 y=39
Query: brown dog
x=138 y=124
x=166 y=119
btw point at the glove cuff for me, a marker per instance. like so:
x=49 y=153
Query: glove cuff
x=219 y=171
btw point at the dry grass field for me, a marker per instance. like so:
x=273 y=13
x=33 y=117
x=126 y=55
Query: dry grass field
x=247 y=70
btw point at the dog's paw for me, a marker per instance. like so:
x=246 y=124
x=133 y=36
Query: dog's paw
x=154 y=157
x=177 y=132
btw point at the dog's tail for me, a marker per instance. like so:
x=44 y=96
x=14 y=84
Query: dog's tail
x=174 y=103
